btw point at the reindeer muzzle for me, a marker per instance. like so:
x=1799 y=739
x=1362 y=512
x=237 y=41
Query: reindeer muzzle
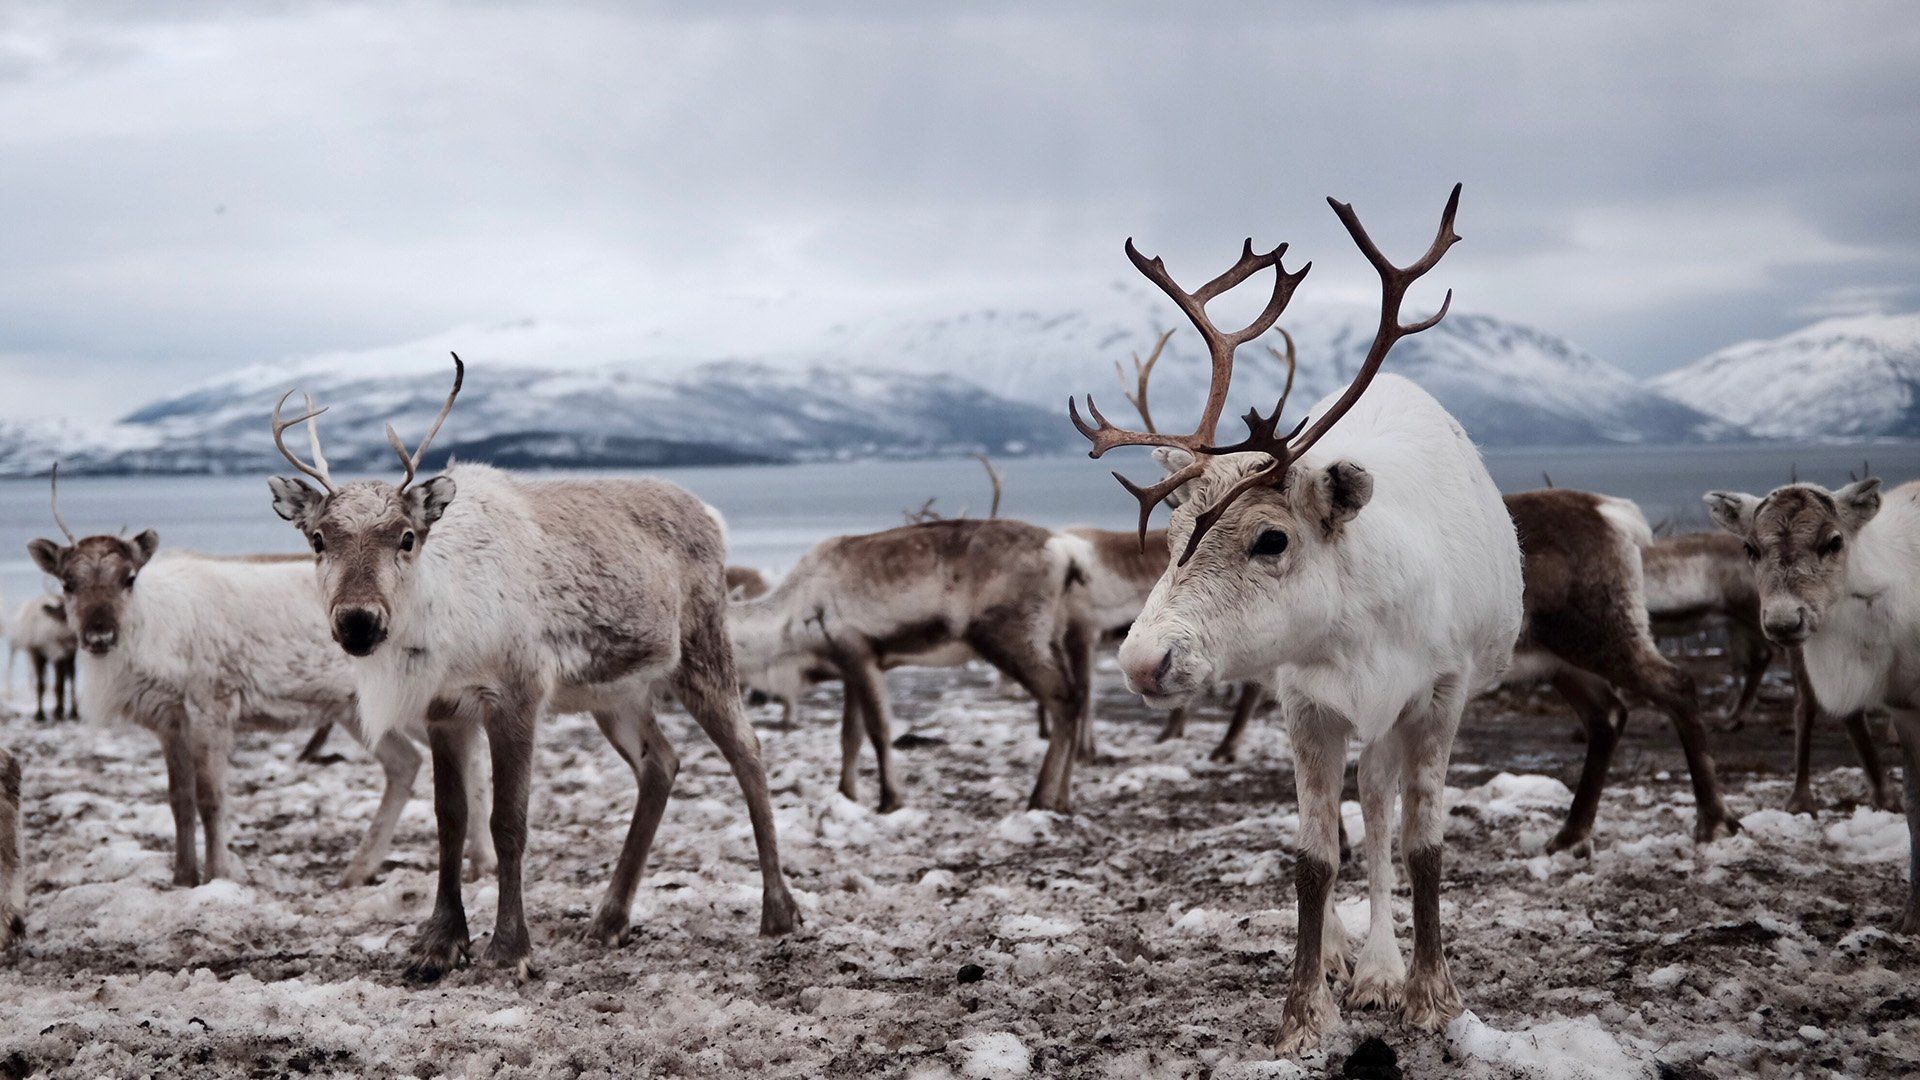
x=359 y=630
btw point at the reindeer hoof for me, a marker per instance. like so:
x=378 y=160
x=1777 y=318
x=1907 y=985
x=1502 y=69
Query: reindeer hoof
x=1580 y=842
x=514 y=957
x=1709 y=829
x=1802 y=802
x=1309 y=1014
x=1431 y=1002
x=1887 y=799
x=609 y=928
x=12 y=929
x=890 y=802
x=1224 y=755
x=1908 y=925
x=779 y=915
x=1378 y=989
x=1731 y=723
x=436 y=953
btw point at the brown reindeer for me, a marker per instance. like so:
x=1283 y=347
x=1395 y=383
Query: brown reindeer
x=1587 y=630
x=933 y=594
x=1695 y=579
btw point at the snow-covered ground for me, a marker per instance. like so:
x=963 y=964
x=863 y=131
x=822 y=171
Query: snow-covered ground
x=1148 y=936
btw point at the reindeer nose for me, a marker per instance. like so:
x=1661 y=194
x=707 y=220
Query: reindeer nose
x=1146 y=669
x=1787 y=630
x=97 y=640
x=359 y=630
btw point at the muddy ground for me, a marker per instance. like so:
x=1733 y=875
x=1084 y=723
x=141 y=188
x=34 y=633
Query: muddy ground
x=1149 y=935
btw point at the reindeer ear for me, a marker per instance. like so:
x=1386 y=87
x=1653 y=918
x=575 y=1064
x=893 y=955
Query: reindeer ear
x=1341 y=490
x=428 y=501
x=48 y=555
x=292 y=499
x=1859 y=501
x=144 y=546
x=1173 y=459
x=1731 y=510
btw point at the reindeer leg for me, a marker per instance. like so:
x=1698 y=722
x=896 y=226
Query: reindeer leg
x=1252 y=695
x=13 y=886
x=212 y=747
x=1175 y=726
x=510 y=728
x=1320 y=765
x=1879 y=795
x=1907 y=723
x=1754 y=656
x=1674 y=691
x=852 y=733
x=39 y=661
x=1381 y=974
x=482 y=860
x=176 y=746
x=633 y=732
x=318 y=742
x=864 y=680
x=401 y=763
x=1431 y=1000
x=706 y=684
x=1594 y=703
x=60 y=689
x=443 y=942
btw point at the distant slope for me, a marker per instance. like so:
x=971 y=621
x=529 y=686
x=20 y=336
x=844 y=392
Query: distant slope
x=1846 y=377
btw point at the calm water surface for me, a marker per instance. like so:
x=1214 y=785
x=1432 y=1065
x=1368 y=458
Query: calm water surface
x=776 y=512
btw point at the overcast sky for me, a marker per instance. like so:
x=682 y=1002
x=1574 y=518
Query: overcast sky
x=180 y=196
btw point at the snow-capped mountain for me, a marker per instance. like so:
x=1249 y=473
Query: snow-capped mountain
x=1854 y=376
x=538 y=394
x=1507 y=383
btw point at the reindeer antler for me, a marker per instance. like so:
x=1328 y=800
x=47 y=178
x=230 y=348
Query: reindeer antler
x=1142 y=372
x=319 y=470
x=1220 y=349
x=53 y=481
x=412 y=461
x=993 y=475
x=1261 y=430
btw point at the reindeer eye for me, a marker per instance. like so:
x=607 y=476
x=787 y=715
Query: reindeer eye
x=1270 y=542
x=1832 y=546
x=406 y=540
x=319 y=543
x=1753 y=553
x=131 y=575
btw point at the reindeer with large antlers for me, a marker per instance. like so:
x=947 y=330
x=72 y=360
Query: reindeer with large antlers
x=521 y=597
x=1363 y=565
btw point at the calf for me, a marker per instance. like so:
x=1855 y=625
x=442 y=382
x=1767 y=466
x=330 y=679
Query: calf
x=40 y=630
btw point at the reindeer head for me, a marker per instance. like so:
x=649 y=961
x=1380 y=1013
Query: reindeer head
x=1799 y=539
x=1257 y=528
x=96 y=575
x=366 y=535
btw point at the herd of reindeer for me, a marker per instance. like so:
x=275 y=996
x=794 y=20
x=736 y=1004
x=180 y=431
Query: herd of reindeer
x=1360 y=571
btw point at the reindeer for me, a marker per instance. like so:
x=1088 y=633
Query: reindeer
x=1587 y=631
x=40 y=630
x=13 y=883
x=927 y=513
x=194 y=647
x=1836 y=573
x=1695 y=579
x=1366 y=569
x=935 y=594
x=520 y=597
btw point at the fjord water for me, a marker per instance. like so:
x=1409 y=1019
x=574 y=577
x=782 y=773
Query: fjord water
x=775 y=512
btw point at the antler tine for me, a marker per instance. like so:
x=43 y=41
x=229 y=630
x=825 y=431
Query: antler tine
x=993 y=475
x=412 y=461
x=1292 y=363
x=1152 y=495
x=280 y=440
x=1142 y=374
x=313 y=435
x=53 y=482
x=1394 y=282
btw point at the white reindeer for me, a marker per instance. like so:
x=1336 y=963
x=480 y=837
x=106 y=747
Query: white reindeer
x=514 y=599
x=13 y=881
x=40 y=630
x=1839 y=579
x=193 y=648
x=1369 y=571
